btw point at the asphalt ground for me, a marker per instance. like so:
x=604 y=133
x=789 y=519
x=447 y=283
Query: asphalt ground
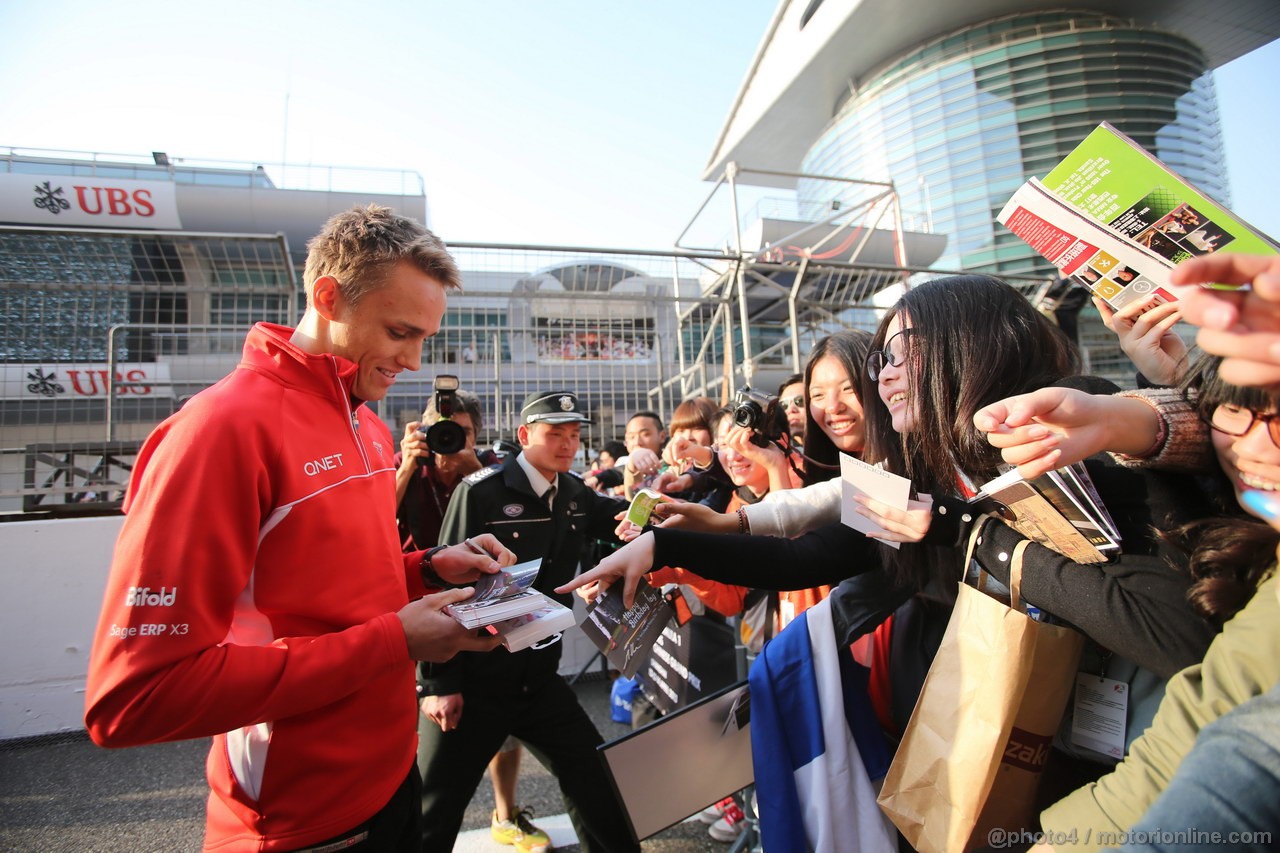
x=65 y=794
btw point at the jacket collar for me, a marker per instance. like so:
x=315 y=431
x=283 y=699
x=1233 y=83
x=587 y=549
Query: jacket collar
x=267 y=349
x=515 y=478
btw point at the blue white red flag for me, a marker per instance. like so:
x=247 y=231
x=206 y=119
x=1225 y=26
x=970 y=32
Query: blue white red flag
x=818 y=751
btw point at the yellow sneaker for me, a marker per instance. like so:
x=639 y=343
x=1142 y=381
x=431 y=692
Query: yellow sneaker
x=519 y=832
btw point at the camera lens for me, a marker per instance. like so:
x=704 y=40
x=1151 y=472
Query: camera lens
x=446 y=437
x=747 y=414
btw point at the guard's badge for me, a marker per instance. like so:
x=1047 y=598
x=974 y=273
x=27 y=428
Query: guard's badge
x=566 y=403
x=482 y=474
x=513 y=510
x=573 y=504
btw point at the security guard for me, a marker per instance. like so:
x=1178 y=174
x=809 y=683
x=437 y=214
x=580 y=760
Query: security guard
x=537 y=509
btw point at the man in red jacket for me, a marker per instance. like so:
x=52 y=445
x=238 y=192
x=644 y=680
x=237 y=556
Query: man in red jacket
x=258 y=594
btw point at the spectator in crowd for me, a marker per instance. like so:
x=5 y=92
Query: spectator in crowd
x=834 y=424
x=535 y=507
x=645 y=437
x=1231 y=556
x=692 y=469
x=607 y=475
x=791 y=400
x=258 y=594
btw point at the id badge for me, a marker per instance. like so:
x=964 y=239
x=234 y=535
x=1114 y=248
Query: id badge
x=1100 y=711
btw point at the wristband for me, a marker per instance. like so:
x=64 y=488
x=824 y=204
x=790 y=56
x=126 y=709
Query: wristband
x=428 y=574
x=744 y=526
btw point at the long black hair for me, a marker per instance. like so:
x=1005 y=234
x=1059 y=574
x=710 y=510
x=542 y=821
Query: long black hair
x=850 y=347
x=1229 y=555
x=975 y=340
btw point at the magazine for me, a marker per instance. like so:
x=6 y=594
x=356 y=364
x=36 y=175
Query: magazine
x=1061 y=510
x=534 y=627
x=502 y=595
x=1116 y=220
x=625 y=637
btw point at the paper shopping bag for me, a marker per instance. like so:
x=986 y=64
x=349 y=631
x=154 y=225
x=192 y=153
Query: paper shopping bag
x=972 y=755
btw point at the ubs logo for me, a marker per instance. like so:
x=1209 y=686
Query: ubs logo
x=47 y=198
x=96 y=201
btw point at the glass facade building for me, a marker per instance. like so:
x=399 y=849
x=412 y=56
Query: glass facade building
x=959 y=123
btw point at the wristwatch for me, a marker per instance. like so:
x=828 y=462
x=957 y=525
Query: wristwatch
x=428 y=574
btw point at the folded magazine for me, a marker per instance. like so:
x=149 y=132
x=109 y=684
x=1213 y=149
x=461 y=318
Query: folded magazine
x=1061 y=510
x=1116 y=220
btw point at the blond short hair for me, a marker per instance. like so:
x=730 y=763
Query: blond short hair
x=360 y=246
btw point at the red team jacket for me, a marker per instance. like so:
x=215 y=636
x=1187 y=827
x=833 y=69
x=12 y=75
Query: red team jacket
x=252 y=598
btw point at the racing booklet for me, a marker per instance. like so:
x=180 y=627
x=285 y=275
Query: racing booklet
x=1116 y=220
x=502 y=595
x=625 y=637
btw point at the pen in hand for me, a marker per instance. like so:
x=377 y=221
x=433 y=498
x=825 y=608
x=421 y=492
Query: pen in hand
x=476 y=549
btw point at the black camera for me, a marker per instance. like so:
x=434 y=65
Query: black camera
x=761 y=413
x=445 y=436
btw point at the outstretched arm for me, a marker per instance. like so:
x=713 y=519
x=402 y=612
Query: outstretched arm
x=1053 y=427
x=825 y=556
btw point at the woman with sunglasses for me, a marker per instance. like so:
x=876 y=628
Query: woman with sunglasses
x=791 y=402
x=946 y=349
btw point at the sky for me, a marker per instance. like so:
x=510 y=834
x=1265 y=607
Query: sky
x=560 y=122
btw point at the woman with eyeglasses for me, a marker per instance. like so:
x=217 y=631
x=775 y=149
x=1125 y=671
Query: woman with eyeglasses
x=1232 y=558
x=945 y=350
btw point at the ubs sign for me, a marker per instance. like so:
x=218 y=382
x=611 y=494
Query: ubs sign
x=84 y=200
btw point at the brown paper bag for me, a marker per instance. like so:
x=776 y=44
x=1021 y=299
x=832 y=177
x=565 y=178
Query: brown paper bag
x=972 y=755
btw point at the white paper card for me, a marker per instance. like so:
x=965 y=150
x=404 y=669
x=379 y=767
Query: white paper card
x=859 y=478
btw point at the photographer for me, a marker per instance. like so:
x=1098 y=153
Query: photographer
x=424 y=480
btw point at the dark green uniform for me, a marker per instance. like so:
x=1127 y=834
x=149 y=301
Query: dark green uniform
x=520 y=693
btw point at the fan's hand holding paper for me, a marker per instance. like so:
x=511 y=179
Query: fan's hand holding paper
x=859 y=478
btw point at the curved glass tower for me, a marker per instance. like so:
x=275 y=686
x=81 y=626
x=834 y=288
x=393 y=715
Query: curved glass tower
x=959 y=123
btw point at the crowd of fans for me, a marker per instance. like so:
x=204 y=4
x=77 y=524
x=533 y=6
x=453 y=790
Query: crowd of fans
x=963 y=379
